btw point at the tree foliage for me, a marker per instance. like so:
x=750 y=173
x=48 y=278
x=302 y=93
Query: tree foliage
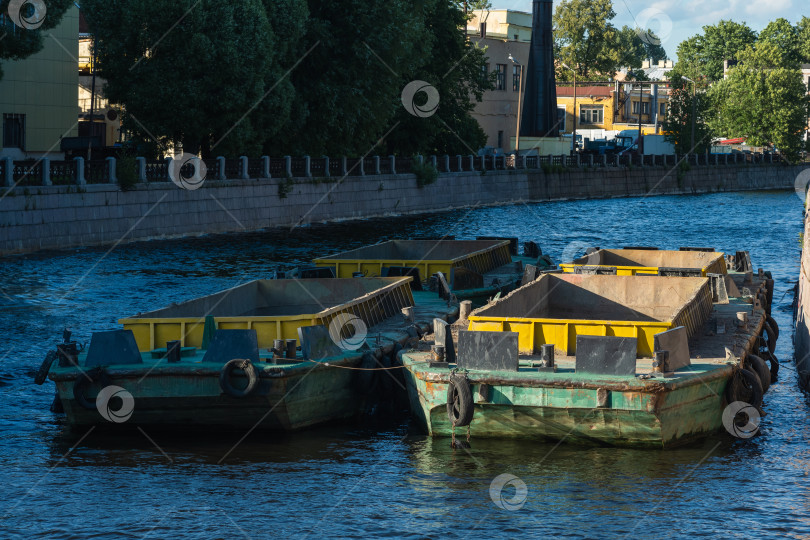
x=287 y=76
x=763 y=99
x=785 y=37
x=688 y=105
x=204 y=74
x=17 y=43
x=703 y=55
x=452 y=65
x=588 y=42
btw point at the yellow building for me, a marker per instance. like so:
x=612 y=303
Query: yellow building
x=39 y=94
x=602 y=108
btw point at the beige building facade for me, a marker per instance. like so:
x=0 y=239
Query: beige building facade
x=39 y=94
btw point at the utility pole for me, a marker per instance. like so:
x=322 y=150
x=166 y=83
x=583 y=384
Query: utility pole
x=521 y=87
x=694 y=109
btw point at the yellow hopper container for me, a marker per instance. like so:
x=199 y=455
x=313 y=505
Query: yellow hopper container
x=556 y=308
x=275 y=308
x=632 y=262
x=430 y=256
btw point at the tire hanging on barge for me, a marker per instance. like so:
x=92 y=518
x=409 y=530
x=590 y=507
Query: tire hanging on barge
x=250 y=372
x=460 y=407
x=744 y=386
x=84 y=381
x=759 y=367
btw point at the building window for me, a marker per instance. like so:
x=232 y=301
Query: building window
x=14 y=131
x=516 y=37
x=645 y=107
x=591 y=114
x=500 y=139
x=485 y=72
x=500 y=81
x=516 y=78
x=562 y=115
x=662 y=109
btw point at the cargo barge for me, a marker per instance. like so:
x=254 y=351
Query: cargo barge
x=475 y=270
x=626 y=360
x=269 y=354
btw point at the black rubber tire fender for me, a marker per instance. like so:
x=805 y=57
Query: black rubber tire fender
x=460 y=407
x=228 y=369
x=759 y=367
x=771 y=358
x=771 y=339
x=744 y=386
x=84 y=381
x=45 y=368
x=772 y=323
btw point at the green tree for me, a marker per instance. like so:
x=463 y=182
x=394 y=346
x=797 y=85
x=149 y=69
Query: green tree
x=803 y=33
x=205 y=74
x=585 y=39
x=763 y=99
x=688 y=105
x=452 y=65
x=786 y=38
x=349 y=86
x=635 y=46
x=16 y=42
x=703 y=55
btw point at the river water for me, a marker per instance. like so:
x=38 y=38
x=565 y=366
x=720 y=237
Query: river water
x=390 y=480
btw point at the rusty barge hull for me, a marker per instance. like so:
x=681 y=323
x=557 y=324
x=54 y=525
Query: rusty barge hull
x=581 y=408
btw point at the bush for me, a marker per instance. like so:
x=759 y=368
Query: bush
x=126 y=170
x=425 y=172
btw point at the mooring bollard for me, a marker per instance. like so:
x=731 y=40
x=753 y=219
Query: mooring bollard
x=660 y=362
x=464 y=310
x=408 y=313
x=547 y=354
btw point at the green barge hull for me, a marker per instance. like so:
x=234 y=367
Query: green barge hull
x=291 y=394
x=652 y=410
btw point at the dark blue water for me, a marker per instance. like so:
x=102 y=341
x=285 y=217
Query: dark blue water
x=343 y=481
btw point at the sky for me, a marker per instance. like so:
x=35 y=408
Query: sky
x=676 y=20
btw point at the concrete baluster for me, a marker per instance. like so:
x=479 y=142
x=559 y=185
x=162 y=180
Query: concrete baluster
x=113 y=179
x=140 y=165
x=80 y=180
x=46 y=171
x=265 y=166
x=243 y=168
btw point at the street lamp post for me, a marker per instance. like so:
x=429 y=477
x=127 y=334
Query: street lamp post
x=574 y=134
x=521 y=86
x=694 y=102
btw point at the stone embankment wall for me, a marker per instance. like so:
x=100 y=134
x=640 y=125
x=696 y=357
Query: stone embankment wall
x=34 y=218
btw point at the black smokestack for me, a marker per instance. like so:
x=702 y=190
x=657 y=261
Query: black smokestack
x=540 y=103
